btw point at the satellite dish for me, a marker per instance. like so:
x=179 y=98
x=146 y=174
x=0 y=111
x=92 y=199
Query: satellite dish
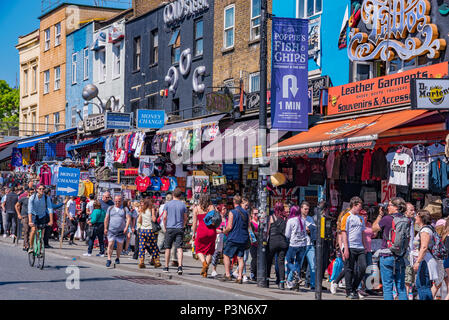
x=90 y=91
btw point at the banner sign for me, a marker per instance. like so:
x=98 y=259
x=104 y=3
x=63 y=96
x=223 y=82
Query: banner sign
x=380 y=92
x=150 y=119
x=328 y=148
x=289 y=74
x=118 y=120
x=68 y=182
x=388 y=191
x=430 y=93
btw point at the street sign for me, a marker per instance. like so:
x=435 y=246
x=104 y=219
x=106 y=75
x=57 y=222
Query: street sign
x=118 y=120
x=150 y=119
x=68 y=182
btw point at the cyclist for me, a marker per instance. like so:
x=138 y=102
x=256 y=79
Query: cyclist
x=40 y=212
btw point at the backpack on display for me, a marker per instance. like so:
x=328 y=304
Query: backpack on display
x=212 y=219
x=399 y=236
x=438 y=250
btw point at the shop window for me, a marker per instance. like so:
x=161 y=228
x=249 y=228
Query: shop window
x=56 y=118
x=57 y=78
x=135 y=106
x=25 y=124
x=255 y=19
x=57 y=34
x=34 y=86
x=309 y=8
x=362 y=71
x=46 y=81
x=46 y=121
x=198 y=38
x=154 y=52
x=380 y=68
x=175 y=44
x=137 y=53
x=229 y=24
x=197 y=107
x=152 y=102
x=33 y=123
x=398 y=65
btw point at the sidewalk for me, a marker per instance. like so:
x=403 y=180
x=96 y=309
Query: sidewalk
x=191 y=273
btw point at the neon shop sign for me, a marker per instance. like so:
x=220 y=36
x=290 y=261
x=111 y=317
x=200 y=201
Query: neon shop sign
x=399 y=28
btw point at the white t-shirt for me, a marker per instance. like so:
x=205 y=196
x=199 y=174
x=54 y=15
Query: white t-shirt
x=90 y=206
x=71 y=206
x=432 y=264
x=398 y=169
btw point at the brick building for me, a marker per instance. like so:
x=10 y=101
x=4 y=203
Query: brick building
x=54 y=26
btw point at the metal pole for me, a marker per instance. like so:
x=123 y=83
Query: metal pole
x=262 y=277
x=319 y=252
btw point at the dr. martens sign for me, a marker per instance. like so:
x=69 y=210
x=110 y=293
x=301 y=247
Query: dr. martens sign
x=398 y=28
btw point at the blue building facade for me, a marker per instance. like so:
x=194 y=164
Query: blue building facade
x=169 y=63
x=79 y=72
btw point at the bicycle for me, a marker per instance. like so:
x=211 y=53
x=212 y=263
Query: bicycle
x=38 y=248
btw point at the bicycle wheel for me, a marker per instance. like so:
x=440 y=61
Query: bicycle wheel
x=31 y=258
x=41 y=254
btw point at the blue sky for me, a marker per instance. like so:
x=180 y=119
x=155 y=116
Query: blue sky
x=18 y=18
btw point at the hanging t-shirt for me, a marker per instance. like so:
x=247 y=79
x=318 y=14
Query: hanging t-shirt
x=366 y=170
x=352 y=161
x=81 y=189
x=421 y=170
x=302 y=175
x=89 y=188
x=164 y=141
x=173 y=183
x=165 y=184
x=336 y=166
x=155 y=184
x=142 y=183
x=26 y=156
x=317 y=172
x=333 y=197
x=379 y=165
x=436 y=149
x=398 y=169
x=330 y=164
x=420 y=153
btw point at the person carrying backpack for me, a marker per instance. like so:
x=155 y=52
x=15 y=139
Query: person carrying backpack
x=425 y=264
x=395 y=227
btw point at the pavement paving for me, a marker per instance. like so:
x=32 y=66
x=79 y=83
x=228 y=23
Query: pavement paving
x=191 y=273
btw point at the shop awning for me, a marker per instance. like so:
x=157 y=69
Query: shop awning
x=187 y=125
x=7 y=152
x=355 y=133
x=85 y=143
x=30 y=142
x=235 y=144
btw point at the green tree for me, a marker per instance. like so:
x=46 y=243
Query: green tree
x=9 y=103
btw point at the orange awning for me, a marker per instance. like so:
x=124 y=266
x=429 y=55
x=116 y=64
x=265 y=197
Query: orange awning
x=354 y=133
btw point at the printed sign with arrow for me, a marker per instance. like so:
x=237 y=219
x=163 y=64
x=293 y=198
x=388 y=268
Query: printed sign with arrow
x=68 y=182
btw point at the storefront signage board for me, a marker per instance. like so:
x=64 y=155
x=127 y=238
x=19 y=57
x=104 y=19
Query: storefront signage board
x=68 y=182
x=380 y=92
x=399 y=28
x=220 y=102
x=430 y=93
x=150 y=119
x=337 y=147
x=289 y=74
x=94 y=122
x=315 y=86
x=118 y=120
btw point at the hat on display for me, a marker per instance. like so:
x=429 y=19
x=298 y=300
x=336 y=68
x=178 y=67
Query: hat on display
x=278 y=179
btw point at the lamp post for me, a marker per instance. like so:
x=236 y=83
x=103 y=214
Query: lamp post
x=262 y=277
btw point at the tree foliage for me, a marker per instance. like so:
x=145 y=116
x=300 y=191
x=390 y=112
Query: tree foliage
x=9 y=102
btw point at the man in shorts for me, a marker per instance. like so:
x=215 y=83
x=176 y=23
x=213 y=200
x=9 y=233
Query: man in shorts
x=40 y=212
x=116 y=224
x=175 y=220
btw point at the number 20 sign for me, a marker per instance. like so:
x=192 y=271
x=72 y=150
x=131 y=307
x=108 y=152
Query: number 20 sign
x=388 y=191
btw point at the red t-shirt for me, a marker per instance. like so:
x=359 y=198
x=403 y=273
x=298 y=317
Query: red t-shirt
x=165 y=184
x=142 y=183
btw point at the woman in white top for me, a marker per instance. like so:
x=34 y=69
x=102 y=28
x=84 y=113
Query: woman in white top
x=424 y=263
x=146 y=235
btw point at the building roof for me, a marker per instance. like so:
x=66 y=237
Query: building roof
x=65 y=3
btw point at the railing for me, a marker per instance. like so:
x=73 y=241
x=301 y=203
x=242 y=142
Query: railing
x=27 y=129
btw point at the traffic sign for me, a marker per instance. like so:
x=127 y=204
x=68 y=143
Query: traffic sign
x=68 y=181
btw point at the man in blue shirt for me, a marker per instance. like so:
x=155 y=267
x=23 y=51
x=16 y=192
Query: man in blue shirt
x=40 y=212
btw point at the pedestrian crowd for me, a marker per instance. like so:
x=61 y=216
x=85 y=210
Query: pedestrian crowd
x=413 y=257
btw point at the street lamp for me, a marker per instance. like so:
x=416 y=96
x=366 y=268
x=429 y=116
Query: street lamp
x=90 y=92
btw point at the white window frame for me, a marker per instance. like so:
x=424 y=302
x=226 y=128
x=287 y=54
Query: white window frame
x=46 y=119
x=46 y=81
x=137 y=52
x=25 y=123
x=33 y=123
x=225 y=30
x=47 y=41
x=25 y=82
x=57 y=34
x=34 y=86
x=154 y=53
x=354 y=69
x=116 y=56
x=56 y=119
x=57 y=79
x=86 y=63
x=102 y=66
x=74 y=58
x=73 y=114
x=251 y=76
x=252 y=36
x=305 y=16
